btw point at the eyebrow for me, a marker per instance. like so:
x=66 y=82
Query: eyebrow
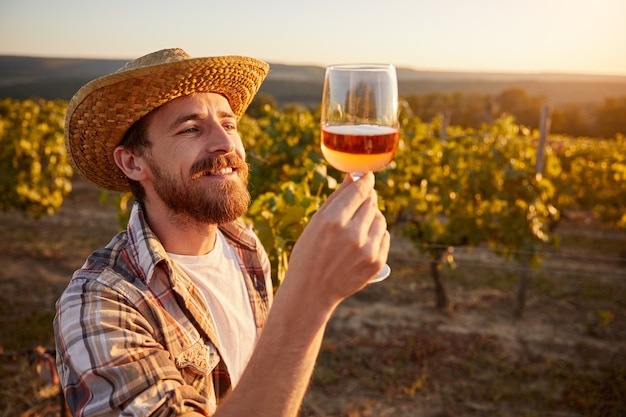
x=222 y=114
x=184 y=118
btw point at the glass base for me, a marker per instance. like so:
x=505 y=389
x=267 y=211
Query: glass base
x=382 y=274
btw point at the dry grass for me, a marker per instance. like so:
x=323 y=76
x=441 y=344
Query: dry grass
x=387 y=351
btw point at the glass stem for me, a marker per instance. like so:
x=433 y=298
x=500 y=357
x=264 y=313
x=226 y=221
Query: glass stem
x=356 y=175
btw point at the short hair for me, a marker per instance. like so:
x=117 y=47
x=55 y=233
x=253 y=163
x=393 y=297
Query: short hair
x=136 y=140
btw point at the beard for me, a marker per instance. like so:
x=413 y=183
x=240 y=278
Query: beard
x=224 y=202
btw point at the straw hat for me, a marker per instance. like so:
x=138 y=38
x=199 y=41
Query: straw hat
x=101 y=112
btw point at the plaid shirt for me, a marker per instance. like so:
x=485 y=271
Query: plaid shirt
x=133 y=334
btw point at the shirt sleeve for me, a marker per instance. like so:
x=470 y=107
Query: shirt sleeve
x=267 y=269
x=110 y=361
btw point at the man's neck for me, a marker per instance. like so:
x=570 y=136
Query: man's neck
x=178 y=233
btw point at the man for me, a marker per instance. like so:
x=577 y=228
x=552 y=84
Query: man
x=173 y=316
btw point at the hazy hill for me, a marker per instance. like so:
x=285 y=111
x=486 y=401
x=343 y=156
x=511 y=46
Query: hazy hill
x=59 y=78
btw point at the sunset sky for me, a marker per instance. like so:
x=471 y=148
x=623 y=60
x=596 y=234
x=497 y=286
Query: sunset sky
x=557 y=36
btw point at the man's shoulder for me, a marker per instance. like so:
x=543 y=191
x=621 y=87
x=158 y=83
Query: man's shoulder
x=240 y=234
x=117 y=260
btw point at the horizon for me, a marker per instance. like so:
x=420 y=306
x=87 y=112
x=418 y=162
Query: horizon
x=425 y=70
x=576 y=37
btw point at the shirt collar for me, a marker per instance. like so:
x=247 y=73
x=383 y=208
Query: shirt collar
x=147 y=248
x=149 y=252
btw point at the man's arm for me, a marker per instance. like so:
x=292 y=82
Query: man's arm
x=344 y=245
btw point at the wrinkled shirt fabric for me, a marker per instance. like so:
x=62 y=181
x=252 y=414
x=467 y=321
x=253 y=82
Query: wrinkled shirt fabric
x=134 y=336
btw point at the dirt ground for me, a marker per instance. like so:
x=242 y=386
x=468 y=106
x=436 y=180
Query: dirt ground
x=388 y=351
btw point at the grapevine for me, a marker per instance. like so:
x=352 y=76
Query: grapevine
x=467 y=187
x=35 y=173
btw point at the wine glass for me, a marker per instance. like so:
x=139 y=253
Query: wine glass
x=359 y=121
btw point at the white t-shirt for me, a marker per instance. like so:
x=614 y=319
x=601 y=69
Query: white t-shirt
x=219 y=278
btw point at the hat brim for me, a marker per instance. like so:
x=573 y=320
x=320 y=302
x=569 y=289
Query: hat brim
x=103 y=110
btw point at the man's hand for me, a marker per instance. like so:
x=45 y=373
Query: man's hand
x=344 y=245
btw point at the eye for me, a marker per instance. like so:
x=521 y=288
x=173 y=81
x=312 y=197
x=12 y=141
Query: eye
x=187 y=130
x=230 y=126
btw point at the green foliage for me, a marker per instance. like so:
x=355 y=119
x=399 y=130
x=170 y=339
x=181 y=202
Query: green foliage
x=289 y=179
x=590 y=175
x=34 y=170
x=473 y=189
x=279 y=217
x=477 y=187
x=471 y=110
x=281 y=146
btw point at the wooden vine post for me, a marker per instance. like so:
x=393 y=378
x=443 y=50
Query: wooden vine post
x=524 y=276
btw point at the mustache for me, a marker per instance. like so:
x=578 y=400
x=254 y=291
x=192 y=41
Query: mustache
x=213 y=163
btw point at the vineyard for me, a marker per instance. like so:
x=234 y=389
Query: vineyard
x=494 y=228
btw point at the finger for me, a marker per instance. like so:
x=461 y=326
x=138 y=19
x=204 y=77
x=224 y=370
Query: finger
x=378 y=229
x=375 y=249
x=379 y=232
x=344 y=202
x=367 y=183
x=380 y=242
x=385 y=246
x=364 y=217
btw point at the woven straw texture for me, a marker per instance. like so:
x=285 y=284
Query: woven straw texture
x=101 y=112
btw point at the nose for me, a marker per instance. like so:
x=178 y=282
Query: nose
x=220 y=140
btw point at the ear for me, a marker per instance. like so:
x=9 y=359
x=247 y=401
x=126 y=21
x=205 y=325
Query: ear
x=133 y=166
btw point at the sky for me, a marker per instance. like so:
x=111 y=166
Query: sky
x=539 y=36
